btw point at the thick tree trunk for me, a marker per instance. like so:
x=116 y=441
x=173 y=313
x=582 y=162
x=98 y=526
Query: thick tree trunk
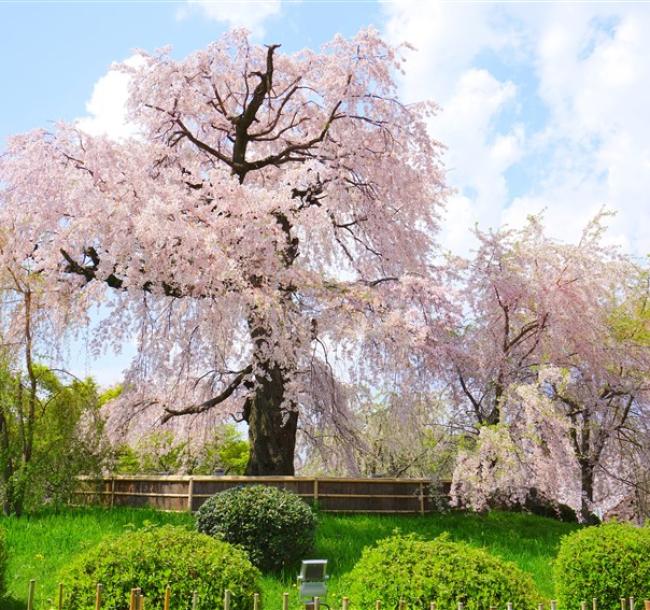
x=587 y=487
x=271 y=428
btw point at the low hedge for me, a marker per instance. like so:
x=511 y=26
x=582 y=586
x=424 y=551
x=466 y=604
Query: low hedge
x=607 y=562
x=155 y=557
x=424 y=571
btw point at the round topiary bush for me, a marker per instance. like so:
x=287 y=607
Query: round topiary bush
x=157 y=556
x=274 y=526
x=423 y=571
x=606 y=562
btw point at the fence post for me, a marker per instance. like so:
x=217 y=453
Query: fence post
x=60 y=604
x=226 y=600
x=168 y=594
x=315 y=493
x=421 y=498
x=285 y=601
x=631 y=603
x=256 y=601
x=317 y=603
x=346 y=603
x=190 y=494
x=623 y=603
x=594 y=604
x=647 y=604
x=112 y=491
x=98 y=597
x=378 y=605
x=30 y=594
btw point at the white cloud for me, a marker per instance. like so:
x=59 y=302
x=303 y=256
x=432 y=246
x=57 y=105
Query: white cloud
x=583 y=69
x=107 y=105
x=250 y=14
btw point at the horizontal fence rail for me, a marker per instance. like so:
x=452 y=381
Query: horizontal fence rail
x=339 y=495
x=137 y=602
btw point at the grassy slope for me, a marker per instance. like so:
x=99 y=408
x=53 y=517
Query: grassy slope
x=40 y=545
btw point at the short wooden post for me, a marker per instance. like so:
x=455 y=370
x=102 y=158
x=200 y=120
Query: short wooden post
x=317 y=603
x=402 y=604
x=195 y=600
x=285 y=601
x=631 y=603
x=421 y=498
x=509 y=605
x=256 y=601
x=315 y=494
x=432 y=606
x=132 y=600
x=647 y=604
x=594 y=603
x=168 y=596
x=190 y=494
x=461 y=606
x=623 y=603
x=140 y=601
x=226 y=600
x=539 y=607
x=98 y=597
x=60 y=604
x=583 y=605
x=553 y=604
x=345 y=603
x=30 y=594
x=378 y=605
x=112 y=492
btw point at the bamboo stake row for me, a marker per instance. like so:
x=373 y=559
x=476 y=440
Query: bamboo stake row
x=137 y=601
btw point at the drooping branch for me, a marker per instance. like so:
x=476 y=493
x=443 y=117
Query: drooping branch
x=210 y=403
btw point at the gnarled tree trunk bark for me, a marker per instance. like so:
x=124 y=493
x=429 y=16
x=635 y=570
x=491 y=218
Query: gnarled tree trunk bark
x=271 y=427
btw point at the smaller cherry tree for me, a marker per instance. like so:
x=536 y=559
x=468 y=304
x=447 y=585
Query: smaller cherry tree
x=540 y=358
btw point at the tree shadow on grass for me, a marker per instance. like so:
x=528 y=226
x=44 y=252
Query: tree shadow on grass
x=9 y=603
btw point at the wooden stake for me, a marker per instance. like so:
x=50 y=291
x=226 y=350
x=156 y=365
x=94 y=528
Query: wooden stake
x=256 y=601
x=285 y=601
x=140 y=602
x=539 y=607
x=553 y=604
x=30 y=594
x=623 y=603
x=132 y=599
x=401 y=604
x=378 y=605
x=461 y=606
x=190 y=494
x=647 y=604
x=345 y=603
x=509 y=605
x=98 y=597
x=226 y=600
x=60 y=604
x=583 y=605
x=317 y=603
x=195 y=600
x=432 y=606
x=631 y=603
x=594 y=604
x=168 y=595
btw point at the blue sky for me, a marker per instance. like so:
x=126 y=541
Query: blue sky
x=544 y=105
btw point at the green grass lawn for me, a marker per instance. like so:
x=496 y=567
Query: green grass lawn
x=40 y=545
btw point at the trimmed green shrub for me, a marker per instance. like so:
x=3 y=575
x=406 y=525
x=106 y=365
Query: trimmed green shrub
x=3 y=563
x=274 y=526
x=421 y=571
x=607 y=562
x=157 y=556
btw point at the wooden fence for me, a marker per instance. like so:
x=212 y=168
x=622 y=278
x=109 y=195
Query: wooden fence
x=137 y=602
x=340 y=495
